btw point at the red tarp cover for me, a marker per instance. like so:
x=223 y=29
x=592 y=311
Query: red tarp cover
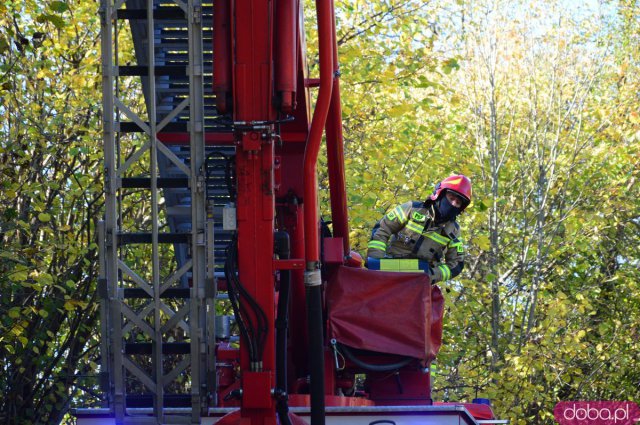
x=388 y=312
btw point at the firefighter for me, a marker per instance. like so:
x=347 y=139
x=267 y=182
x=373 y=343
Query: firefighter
x=426 y=231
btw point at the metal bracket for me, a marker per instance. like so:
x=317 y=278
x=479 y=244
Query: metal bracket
x=103 y=377
x=210 y=288
x=102 y=11
x=201 y=183
x=196 y=71
x=103 y=290
x=108 y=242
x=197 y=14
x=107 y=181
x=312 y=278
x=336 y=353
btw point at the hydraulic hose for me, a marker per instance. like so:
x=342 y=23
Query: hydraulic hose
x=282 y=248
x=374 y=367
x=316 y=353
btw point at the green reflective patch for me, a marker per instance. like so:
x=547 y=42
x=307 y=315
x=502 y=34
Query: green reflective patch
x=458 y=246
x=399 y=265
x=418 y=217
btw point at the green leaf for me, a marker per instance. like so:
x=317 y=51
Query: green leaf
x=449 y=65
x=44 y=279
x=14 y=312
x=19 y=275
x=44 y=217
x=4 y=45
x=59 y=6
x=10 y=213
x=56 y=20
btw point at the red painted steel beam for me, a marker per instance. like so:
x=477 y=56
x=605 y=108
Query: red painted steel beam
x=222 y=53
x=221 y=139
x=252 y=47
x=335 y=151
x=182 y=139
x=293 y=264
x=310 y=178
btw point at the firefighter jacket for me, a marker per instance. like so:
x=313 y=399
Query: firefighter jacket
x=409 y=231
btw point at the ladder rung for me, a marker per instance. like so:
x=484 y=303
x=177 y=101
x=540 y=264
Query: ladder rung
x=143 y=70
x=182 y=211
x=169 y=400
x=162 y=182
x=178 y=45
x=132 y=127
x=183 y=33
x=160 y=13
x=130 y=293
x=132 y=238
x=167 y=347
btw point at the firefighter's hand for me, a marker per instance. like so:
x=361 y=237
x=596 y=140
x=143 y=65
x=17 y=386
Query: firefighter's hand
x=427 y=269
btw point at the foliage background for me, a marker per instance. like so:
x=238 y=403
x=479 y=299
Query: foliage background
x=538 y=102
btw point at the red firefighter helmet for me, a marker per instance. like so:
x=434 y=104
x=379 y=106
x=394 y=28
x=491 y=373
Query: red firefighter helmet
x=458 y=183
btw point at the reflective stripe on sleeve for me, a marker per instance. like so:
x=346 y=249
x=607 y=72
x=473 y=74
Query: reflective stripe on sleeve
x=377 y=245
x=400 y=213
x=446 y=272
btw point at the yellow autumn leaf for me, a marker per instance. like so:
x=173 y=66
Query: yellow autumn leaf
x=399 y=110
x=483 y=242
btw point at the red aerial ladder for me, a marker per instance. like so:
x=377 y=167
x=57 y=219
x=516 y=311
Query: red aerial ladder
x=224 y=154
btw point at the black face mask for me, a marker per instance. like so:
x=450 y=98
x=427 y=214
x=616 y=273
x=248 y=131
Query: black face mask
x=446 y=211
